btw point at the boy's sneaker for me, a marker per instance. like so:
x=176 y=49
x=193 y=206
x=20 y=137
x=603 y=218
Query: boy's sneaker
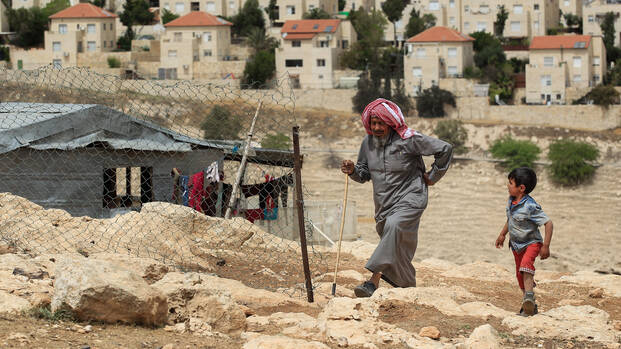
x=365 y=290
x=528 y=304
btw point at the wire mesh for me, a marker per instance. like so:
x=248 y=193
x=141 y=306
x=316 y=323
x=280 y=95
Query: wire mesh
x=92 y=163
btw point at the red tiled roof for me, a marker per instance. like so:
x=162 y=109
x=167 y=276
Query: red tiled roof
x=558 y=41
x=197 y=19
x=300 y=36
x=83 y=10
x=440 y=34
x=310 y=26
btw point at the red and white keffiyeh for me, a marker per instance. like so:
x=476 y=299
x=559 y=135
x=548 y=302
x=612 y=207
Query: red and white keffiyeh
x=388 y=112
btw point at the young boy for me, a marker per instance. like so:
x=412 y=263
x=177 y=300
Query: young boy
x=524 y=216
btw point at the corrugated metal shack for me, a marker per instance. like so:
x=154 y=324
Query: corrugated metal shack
x=70 y=156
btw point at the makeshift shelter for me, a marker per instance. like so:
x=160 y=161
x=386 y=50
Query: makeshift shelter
x=91 y=160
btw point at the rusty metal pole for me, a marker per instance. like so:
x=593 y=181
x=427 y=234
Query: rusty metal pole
x=297 y=159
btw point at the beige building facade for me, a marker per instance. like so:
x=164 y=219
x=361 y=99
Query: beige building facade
x=436 y=53
x=224 y=8
x=560 y=62
x=593 y=13
x=294 y=9
x=309 y=51
x=80 y=28
x=4 y=21
x=191 y=39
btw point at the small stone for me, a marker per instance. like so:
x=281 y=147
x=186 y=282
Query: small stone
x=81 y=331
x=169 y=346
x=596 y=293
x=88 y=328
x=430 y=332
x=85 y=347
x=617 y=325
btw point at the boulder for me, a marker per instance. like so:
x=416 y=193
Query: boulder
x=483 y=337
x=611 y=284
x=106 y=291
x=12 y=304
x=429 y=332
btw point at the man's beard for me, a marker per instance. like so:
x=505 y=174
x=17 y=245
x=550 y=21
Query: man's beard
x=380 y=141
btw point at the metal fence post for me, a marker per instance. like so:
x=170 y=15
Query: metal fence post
x=300 y=209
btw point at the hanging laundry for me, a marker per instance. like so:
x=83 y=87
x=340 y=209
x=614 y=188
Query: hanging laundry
x=212 y=174
x=197 y=191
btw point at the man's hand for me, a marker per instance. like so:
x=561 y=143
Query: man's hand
x=544 y=252
x=500 y=240
x=427 y=180
x=347 y=167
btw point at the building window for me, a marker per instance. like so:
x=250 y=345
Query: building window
x=103 y=26
x=179 y=7
x=591 y=19
x=296 y=43
x=345 y=44
x=452 y=21
x=206 y=53
x=546 y=80
x=517 y=9
x=434 y=5
x=90 y=28
x=420 y=52
x=320 y=76
x=548 y=61
x=62 y=28
x=122 y=187
x=172 y=53
x=558 y=97
x=466 y=26
x=206 y=36
x=104 y=43
x=57 y=64
x=451 y=3
x=484 y=9
x=177 y=37
x=536 y=25
x=452 y=71
x=577 y=78
x=91 y=46
x=417 y=72
x=515 y=26
x=596 y=61
x=452 y=52
x=211 y=6
x=324 y=43
x=466 y=8
x=481 y=26
x=56 y=46
x=293 y=63
x=321 y=62
x=536 y=7
x=290 y=10
x=231 y=4
x=111 y=43
x=595 y=77
x=167 y=6
x=577 y=62
x=566 y=3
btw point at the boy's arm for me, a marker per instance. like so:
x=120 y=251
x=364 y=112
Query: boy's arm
x=544 y=252
x=501 y=237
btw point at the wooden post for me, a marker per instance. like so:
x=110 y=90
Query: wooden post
x=300 y=208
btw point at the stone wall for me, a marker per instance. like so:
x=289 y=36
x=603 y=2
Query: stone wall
x=219 y=70
x=100 y=59
x=31 y=59
x=335 y=99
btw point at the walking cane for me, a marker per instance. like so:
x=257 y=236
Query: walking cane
x=338 y=253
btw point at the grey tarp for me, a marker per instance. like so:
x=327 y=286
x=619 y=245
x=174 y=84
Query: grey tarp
x=400 y=196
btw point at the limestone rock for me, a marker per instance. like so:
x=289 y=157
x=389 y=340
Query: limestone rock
x=150 y=269
x=611 y=284
x=281 y=342
x=106 y=291
x=569 y=322
x=483 y=337
x=430 y=332
x=12 y=304
x=481 y=271
x=596 y=293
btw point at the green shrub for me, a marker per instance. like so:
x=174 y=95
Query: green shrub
x=453 y=132
x=114 y=62
x=276 y=141
x=221 y=123
x=430 y=103
x=569 y=161
x=44 y=312
x=515 y=153
x=603 y=95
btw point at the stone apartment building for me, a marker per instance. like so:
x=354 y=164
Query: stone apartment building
x=33 y=3
x=294 y=9
x=309 y=51
x=224 y=8
x=438 y=52
x=526 y=18
x=198 y=37
x=80 y=28
x=563 y=61
x=593 y=13
x=4 y=21
x=571 y=6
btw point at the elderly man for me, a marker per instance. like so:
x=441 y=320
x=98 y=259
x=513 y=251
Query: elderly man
x=391 y=157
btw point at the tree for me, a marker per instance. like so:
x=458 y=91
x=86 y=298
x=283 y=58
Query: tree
x=316 y=13
x=259 y=41
x=29 y=26
x=613 y=77
x=98 y=3
x=249 y=17
x=276 y=141
x=342 y=4
x=55 y=6
x=220 y=123
x=168 y=16
x=501 y=19
x=604 y=95
x=134 y=12
x=574 y=22
x=608 y=31
x=417 y=25
x=259 y=69
x=453 y=132
x=430 y=103
x=569 y=161
x=394 y=11
x=366 y=51
x=272 y=11
x=368 y=90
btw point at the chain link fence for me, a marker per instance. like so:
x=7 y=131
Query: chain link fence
x=92 y=163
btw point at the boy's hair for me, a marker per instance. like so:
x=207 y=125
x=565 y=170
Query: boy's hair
x=526 y=176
